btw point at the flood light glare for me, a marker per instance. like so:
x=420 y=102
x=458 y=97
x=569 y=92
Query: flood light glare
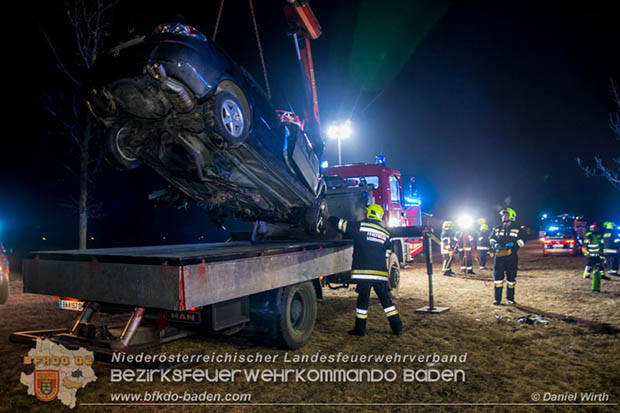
x=465 y=221
x=340 y=130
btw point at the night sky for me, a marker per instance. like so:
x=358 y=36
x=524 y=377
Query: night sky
x=487 y=103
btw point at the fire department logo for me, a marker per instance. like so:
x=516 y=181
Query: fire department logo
x=46 y=384
x=58 y=372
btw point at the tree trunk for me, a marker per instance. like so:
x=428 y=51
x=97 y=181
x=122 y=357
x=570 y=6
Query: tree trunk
x=84 y=185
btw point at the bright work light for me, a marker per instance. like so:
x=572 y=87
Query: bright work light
x=465 y=221
x=340 y=131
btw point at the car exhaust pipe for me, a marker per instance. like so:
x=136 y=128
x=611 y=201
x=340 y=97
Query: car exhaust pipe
x=177 y=94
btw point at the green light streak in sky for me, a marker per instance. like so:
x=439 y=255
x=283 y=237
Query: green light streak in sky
x=387 y=34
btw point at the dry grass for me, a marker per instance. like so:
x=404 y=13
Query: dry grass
x=578 y=351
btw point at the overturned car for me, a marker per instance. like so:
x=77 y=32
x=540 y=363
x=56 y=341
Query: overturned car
x=175 y=101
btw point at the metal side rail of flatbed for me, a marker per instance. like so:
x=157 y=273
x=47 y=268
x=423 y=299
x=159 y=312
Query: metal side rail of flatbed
x=220 y=287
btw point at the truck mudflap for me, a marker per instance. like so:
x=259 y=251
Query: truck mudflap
x=181 y=277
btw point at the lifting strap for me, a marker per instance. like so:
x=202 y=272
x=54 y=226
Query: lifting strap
x=260 y=47
x=260 y=50
x=217 y=21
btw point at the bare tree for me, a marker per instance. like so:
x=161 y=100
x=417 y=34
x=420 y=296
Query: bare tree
x=88 y=21
x=599 y=168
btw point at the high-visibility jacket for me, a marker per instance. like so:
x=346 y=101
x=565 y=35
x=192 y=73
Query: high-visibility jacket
x=466 y=242
x=611 y=241
x=448 y=240
x=371 y=247
x=592 y=245
x=483 y=240
x=503 y=235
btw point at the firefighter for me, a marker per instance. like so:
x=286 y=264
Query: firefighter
x=371 y=247
x=505 y=240
x=465 y=247
x=593 y=249
x=611 y=247
x=448 y=242
x=483 y=246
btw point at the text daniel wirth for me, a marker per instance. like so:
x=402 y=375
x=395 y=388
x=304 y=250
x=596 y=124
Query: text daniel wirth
x=583 y=397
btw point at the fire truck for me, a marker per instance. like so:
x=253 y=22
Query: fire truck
x=381 y=185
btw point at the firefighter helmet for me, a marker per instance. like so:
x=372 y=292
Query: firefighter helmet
x=484 y=227
x=512 y=215
x=447 y=225
x=374 y=211
x=594 y=227
x=609 y=225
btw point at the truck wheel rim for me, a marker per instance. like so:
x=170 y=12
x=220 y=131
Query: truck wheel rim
x=232 y=117
x=296 y=313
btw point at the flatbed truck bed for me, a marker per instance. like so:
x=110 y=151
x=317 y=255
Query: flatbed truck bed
x=218 y=287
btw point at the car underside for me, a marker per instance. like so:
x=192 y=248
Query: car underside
x=201 y=122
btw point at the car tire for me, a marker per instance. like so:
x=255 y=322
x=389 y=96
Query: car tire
x=232 y=118
x=115 y=149
x=297 y=314
x=315 y=219
x=393 y=272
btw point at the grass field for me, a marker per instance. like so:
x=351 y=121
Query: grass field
x=500 y=363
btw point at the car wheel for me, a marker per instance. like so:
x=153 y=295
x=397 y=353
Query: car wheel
x=116 y=151
x=232 y=118
x=316 y=217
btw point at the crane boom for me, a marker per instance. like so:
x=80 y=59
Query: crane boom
x=304 y=27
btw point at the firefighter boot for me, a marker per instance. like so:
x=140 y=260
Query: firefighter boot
x=586 y=272
x=396 y=324
x=510 y=292
x=596 y=281
x=360 y=327
x=499 y=288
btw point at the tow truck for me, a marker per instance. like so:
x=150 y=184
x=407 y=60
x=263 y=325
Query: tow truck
x=271 y=286
x=385 y=188
x=128 y=299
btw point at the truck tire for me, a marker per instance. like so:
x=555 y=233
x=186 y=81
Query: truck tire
x=394 y=272
x=297 y=310
x=399 y=249
x=4 y=290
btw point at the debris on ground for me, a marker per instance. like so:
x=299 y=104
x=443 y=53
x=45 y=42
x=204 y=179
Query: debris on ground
x=532 y=319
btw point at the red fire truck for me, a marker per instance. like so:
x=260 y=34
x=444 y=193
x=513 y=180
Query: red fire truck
x=386 y=189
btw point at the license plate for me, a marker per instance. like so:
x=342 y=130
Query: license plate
x=71 y=305
x=558 y=246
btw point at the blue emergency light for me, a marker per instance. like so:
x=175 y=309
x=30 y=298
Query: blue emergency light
x=552 y=228
x=411 y=200
x=324 y=164
x=380 y=160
